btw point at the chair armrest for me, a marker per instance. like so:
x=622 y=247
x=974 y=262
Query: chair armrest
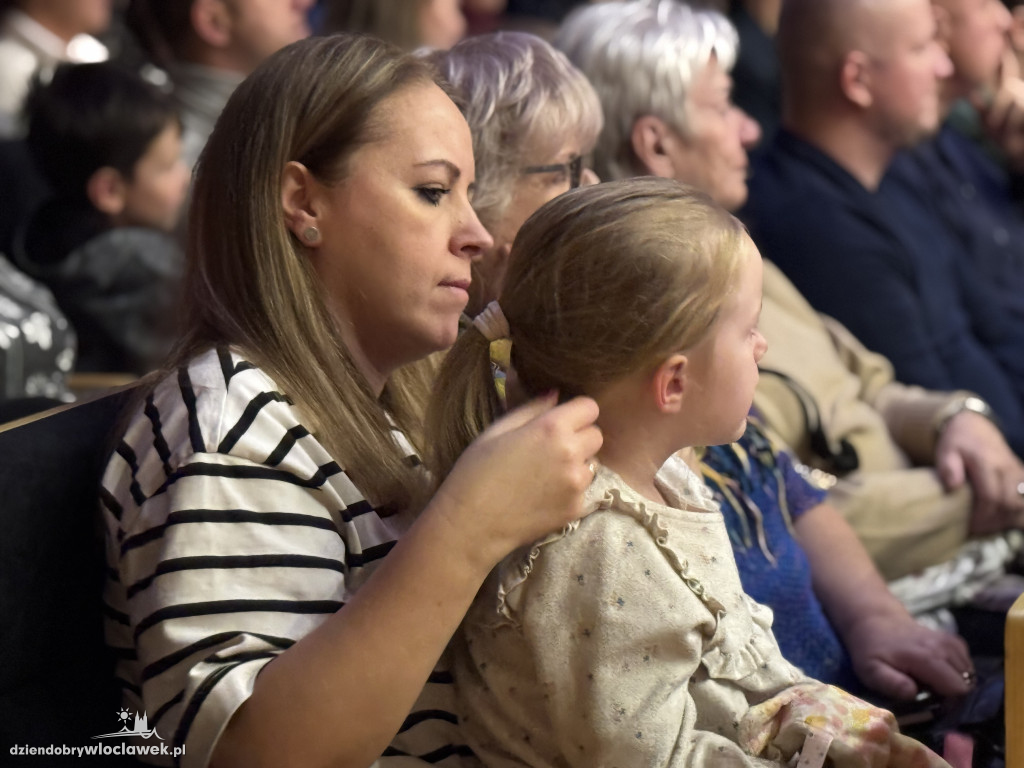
x=1014 y=676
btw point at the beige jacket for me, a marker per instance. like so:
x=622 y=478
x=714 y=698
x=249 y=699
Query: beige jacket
x=894 y=500
x=624 y=641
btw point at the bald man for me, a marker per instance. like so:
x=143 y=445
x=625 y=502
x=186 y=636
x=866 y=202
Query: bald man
x=861 y=82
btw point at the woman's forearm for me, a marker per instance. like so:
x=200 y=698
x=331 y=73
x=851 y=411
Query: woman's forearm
x=339 y=695
x=845 y=579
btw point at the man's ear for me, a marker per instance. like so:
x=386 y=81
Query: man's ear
x=107 y=190
x=299 y=199
x=668 y=383
x=212 y=22
x=855 y=79
x=650 y=139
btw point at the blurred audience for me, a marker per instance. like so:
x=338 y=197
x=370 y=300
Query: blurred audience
x=977 y=193
x=208 y=47
x=37 y=345
x=861 y=81
x=35 y=36
x=408 y=24
x=756 y=87
x=109 y=145
x=834 y=402
x=1016 y=8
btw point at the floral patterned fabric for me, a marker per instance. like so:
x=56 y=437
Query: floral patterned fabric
x=822 y=722
x=37 y=345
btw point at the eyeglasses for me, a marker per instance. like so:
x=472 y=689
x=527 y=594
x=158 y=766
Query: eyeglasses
x=574 y=169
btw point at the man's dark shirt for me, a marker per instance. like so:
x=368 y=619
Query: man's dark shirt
x=975 y=197
x=887 y=266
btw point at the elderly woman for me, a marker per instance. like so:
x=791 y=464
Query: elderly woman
x=662 y=72
x=534 y=119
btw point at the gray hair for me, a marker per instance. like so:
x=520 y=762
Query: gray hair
x=642 y=57
x=519 y=96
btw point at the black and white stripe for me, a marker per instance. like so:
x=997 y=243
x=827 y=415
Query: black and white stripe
x=231 y=534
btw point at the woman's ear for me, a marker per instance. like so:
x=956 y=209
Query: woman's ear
x=669 y=383
x=299 y=190
x=649 y=138
x=107 y=190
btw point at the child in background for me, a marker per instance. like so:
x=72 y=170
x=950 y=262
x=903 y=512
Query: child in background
x=109 y=145
x=627 y=639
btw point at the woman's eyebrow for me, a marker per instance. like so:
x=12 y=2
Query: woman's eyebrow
x=452 y=168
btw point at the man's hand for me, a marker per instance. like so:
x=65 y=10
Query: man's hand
x=972 y=449
x=1002 y=111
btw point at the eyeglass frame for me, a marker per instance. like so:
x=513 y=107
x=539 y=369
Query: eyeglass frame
x=574 y=167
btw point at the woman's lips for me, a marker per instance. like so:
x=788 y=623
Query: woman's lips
x=460 y=284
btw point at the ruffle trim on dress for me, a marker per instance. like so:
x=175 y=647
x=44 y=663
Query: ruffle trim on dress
x=515 y=569
x=725 y=660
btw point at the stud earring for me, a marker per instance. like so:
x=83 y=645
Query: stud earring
x=311 y=235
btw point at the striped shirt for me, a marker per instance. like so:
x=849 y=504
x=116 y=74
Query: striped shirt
x=232 y=533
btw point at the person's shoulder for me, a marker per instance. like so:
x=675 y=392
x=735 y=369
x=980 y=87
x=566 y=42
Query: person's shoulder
x=17 y=65
x=16 y=57
x=214 y=393
x=793 y=191
x=126 y=246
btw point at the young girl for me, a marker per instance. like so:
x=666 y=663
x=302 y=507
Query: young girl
x=627 y=639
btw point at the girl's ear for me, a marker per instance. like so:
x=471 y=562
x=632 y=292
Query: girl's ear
x=669 y=383
x=107 y=190
x=299 y=192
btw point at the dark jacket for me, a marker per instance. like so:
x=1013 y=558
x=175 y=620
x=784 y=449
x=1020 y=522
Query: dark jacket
x=118 y=286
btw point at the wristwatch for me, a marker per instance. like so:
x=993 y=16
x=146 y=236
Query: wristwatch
x=966 y=402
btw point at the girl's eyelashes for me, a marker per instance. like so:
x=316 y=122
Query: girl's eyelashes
x=432 y=195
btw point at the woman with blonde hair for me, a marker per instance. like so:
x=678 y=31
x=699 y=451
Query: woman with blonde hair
x=281 y=590
x=534 y=119
x=626 y=638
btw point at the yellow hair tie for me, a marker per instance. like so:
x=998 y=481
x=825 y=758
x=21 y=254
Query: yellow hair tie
x=494 y=327
x=501 y=355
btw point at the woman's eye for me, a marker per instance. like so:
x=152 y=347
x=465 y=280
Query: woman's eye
x=432 y=195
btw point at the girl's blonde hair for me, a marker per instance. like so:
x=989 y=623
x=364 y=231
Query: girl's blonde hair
x=603 y=281
x=249 y=281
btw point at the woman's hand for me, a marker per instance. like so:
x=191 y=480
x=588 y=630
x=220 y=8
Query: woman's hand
x=893 y=653
x=522 y=478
